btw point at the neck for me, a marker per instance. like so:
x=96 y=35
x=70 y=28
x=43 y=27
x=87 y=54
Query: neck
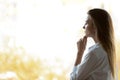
x=95 y=39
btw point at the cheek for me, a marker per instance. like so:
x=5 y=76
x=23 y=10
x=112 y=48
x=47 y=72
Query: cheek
x=89 y=30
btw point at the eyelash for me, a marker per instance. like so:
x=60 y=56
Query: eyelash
x=84 y=25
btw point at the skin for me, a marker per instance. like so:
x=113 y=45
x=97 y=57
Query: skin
x=90 y=31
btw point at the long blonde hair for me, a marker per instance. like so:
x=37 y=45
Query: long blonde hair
x=105 y=33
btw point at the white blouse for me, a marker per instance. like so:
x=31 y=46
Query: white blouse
x=94 y=66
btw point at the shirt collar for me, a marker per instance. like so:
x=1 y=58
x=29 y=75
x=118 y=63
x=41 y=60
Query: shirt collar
x=94 y=46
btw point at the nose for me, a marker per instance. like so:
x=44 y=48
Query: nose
x=84 y=26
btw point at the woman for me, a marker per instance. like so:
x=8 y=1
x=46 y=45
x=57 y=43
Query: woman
x=99 y=62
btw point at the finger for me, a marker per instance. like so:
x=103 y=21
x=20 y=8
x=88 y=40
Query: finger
x=80 y=39
x=85 y=37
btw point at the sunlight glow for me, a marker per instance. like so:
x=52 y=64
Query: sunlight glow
x=38 y=37
x=50 y=29
x=47 y=29
x=8 y=76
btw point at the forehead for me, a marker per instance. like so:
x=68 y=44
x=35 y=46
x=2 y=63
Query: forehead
x=89 y=18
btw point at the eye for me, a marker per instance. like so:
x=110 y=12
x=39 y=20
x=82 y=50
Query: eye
x=84 y=25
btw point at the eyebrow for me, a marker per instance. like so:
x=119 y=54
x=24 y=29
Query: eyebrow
x=85 y=24
x=86 y=21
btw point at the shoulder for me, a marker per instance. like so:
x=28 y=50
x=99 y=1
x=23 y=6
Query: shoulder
x=97 y=51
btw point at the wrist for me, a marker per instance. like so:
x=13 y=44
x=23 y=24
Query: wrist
x=80 y=54
x=78 y=59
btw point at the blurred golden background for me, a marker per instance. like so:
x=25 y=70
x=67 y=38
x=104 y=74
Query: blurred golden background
x=38 y=37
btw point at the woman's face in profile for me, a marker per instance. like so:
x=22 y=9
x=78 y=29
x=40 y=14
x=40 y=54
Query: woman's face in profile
x=89 y=28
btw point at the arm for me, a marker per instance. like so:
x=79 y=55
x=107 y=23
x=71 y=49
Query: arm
x=81 y=44
x=85 y=68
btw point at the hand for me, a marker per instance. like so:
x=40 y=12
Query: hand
x=81 y=45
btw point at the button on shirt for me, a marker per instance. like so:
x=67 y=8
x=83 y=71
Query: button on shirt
x=94 y=66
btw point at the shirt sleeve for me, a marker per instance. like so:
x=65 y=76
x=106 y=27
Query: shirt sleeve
x=85 y=68
x=73 y=74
